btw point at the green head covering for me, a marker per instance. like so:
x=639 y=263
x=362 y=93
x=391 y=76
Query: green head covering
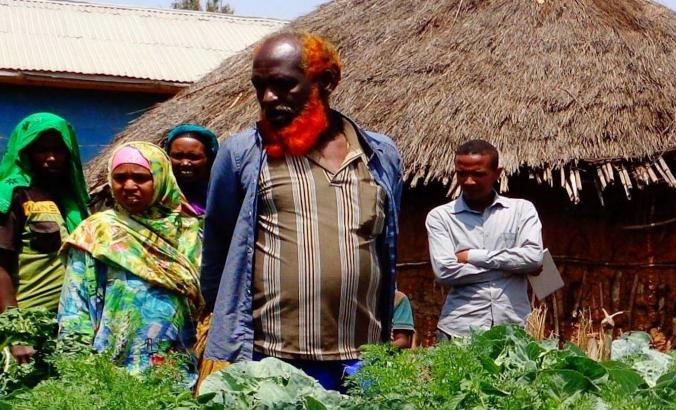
x=205 y=135
x=15 y=170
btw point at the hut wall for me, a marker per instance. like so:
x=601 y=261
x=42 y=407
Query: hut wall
x=604 y=265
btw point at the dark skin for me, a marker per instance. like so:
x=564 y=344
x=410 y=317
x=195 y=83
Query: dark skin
x=477 y=176
x=403 y=339
x=132 y=187
x=7 y=292
x=8 y=260
x=48 y=158
x=189 y=160
x=191 y=164
x=283 y=88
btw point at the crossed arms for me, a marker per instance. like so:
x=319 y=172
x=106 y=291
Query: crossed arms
x=464 y=266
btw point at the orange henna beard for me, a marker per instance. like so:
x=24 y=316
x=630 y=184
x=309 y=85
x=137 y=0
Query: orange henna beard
x=301 y=134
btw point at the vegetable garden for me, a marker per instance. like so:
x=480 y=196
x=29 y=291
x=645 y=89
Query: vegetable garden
x=502 y=368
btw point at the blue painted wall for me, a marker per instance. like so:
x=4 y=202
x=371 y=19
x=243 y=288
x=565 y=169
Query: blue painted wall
x=96 y=115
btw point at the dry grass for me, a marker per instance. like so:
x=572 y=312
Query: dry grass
x=594 y=340
x=550 y=83
x=583 y=329
x=536 y=324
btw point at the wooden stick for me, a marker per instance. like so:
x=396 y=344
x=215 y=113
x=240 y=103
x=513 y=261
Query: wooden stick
x=626 y=176
x=651 y=172
x=609 y=172
x=578 y=298
x=632 y=298
x=573 y=186
x=578 y=180
x=599 y=191
x=625 y=183
x=616 y=289
x=601 y=178
x=670 y=177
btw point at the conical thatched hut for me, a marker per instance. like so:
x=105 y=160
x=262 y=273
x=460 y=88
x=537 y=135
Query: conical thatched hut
x=578 y=95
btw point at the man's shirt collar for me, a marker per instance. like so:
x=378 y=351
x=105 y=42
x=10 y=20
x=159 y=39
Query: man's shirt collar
x=461 y=206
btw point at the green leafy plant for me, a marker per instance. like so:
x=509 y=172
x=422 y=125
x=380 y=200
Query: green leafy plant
x=34 y=327
x=634 y=348
x=503 y=368
x=268 y=384
x=93 y=381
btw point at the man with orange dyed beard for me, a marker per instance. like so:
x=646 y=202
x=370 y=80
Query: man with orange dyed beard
x=301 y=222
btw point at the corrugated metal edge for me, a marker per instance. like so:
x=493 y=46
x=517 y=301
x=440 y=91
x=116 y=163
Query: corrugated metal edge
x=132 y=8
x=255 y=23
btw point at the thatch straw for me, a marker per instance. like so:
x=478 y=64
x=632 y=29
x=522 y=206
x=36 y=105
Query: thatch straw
x=553 y=84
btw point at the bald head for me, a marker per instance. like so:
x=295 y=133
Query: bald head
x=282 y=48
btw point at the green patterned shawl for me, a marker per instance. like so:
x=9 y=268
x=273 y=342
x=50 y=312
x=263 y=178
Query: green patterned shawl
x=161 y=245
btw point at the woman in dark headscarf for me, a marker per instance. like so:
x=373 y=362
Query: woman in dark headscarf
x=192 y=149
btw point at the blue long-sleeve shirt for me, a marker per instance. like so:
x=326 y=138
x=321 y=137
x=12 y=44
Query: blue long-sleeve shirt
x=230 y=229
x=504 y=242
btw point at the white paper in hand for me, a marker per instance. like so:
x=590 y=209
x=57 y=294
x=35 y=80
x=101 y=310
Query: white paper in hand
x=547 y=282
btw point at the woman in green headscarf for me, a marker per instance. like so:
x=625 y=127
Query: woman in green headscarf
x=132 y=283
x=43 y=197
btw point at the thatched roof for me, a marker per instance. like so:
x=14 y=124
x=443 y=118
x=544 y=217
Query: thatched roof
x=557 y=85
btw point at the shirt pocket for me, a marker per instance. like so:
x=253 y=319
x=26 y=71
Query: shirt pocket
x=373 y=221
x=45 y=236
x=507 y=240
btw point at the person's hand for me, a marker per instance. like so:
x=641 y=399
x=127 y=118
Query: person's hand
x=535 y=273
x=462 y=256
x=22 y=354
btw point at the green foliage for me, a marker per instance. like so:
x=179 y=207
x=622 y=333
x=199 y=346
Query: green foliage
x=634 y=348
x=268 y=384
x=503 y=368
x=217 y=6
x=34 y=327
x=213 y=6
x=92 y=382
x=31 y=327
x=69 y=377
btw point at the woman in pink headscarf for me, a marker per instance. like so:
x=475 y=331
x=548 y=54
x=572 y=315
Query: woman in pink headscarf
x=132 y=284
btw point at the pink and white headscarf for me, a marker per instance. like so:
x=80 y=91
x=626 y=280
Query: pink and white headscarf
x=129 y=155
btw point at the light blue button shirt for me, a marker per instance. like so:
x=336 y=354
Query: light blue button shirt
x=505 y=243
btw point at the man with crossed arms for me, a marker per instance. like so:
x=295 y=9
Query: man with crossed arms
x=483 y=245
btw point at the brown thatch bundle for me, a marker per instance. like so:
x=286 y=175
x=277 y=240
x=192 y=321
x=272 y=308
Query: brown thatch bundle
x=555 y=84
